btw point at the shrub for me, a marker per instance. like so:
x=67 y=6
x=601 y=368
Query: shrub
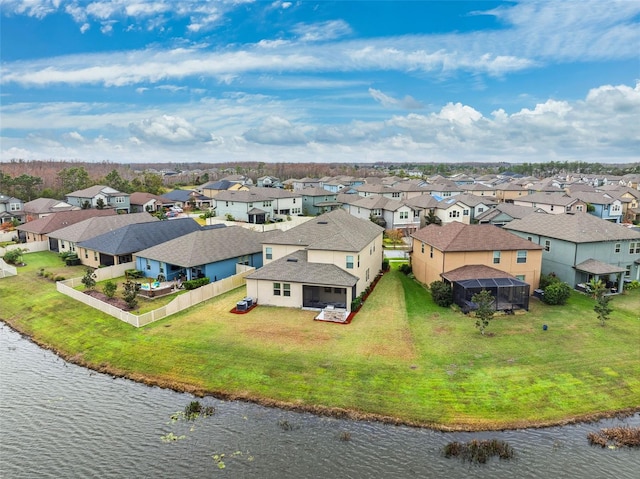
x=441 y=293
x=195 y=283
x=15 y=255
x=130 y=293
x=133 y=273
x=635 y=284
x=385 y=264
x=109 y=289
x=405 y=268
x=89 y=279
x=547 y=279
x=556 y=293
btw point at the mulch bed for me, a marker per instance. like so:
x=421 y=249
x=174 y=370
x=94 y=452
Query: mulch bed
x=117 y=302
x=238 y=311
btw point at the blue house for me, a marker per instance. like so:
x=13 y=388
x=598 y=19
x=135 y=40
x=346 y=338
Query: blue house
x=211 y=252
x=602 y=205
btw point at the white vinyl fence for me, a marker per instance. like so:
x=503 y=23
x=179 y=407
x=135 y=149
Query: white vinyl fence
x=7 y=270
x=181 y=302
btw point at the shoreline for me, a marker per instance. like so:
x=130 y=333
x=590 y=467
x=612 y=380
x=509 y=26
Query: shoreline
x=337 y=413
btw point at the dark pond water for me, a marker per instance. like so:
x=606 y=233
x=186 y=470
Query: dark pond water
x=60 y=420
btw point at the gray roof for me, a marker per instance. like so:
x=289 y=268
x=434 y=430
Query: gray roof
x=509 y=209
x=139 y=236
x=96 y=226
x=62 y=219
x=206 y=246
x=594 y=266
x=555 y=198
x=378 y=202
x=47 y=205
x=294 y=268
x=576 y=228
x=333 y=231
x=95 y=190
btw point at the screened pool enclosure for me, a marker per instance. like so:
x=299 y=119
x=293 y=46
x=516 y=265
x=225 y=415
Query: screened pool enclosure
x=508 y=293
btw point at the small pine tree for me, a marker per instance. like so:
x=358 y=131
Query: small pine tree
x=602 y=307
x=441 y=293
x=89 y=279
x=130 y=293
x=109 y=289
x=484 y=314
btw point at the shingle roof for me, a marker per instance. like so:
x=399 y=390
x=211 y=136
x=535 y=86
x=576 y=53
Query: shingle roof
x=140 y=198
x=63 y=219
x=294 y=268
x=594 y=266
x=514 y=211
x=556 y=198
x=47 y=205
x=576 y=228
x=184 y=196
x=206 y=246
x=96 y=226
x=139 y=236
x=333 y=231
x=458 y=236
x=95 y=190
x=474 y=271
x=378 y=202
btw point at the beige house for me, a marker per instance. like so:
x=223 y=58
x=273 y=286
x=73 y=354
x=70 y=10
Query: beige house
x=327 y=261
x=438 y=250
x=508 y=192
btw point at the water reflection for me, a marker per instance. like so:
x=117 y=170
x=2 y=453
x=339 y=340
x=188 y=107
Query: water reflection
x=61 y=420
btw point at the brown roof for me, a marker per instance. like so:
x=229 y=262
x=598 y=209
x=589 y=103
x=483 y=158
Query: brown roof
x=594 y=266
x=474 y=271
x=63 y=219
x=458 y=236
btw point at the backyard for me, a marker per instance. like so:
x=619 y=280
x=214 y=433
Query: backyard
x=402 y=359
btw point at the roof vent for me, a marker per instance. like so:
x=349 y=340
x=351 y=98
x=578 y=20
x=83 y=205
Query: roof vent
x=292 y=260
x=323 y=222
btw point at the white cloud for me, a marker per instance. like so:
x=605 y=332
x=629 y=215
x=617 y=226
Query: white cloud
x=167 y=129
x=318 y=32
x=387 y=101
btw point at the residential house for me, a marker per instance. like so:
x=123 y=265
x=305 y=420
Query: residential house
x=303 y=183
x=258 y=205
x=241 y=179
x=463 y=208
x=425 y=207
x=327 y=261
x=316 y=201
x=11 y=209
x=580 y=247
x=213 y=188
x=187 y=199
x=630 y=199
x=269 y=182
x=120 y=245
x=141 y=201
x=209 y=252
x=556 y=203
x=632 y=180
x=65 y=239
x=389 y=213
x=379 y=190
x=41 y=228
x=480 y=189
x=508 y=192
x=602 y=205
x=503 y=213
x=100 y=197
x=41 y=207
x=458 y=252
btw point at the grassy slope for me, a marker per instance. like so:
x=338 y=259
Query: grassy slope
x=402 y=356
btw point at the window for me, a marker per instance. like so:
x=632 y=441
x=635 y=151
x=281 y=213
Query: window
x=119 y=199
x=161 y=269
x=454 y=214
x=148 y=264
x=431 y=252
x=528 y=238
x=286 y=289
x=551 y=207
x=496 y=257
x=547 y=245
x=86 y=254
x=522 y=256
x=268 y=252
x=480 y=209
x=266 y=204
x=14 y=206
x=376 y=212
x=617 y=248
x=579 y=208
x=95 y=256
x=250 y=205
x=358 y=261
x=349 y=262
x=465 y=212
x=404 y=215
x=422 y=250
x=366 y=278
x=627 y=271
x=339 y=290
x=637 y=247
x=276 y=289
x=395 y=195
x=446 y=193
x=243 y=259
x=521 y=277
x=327 y=289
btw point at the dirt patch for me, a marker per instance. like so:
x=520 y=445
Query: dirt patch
x=287 y=336
x=117 y=302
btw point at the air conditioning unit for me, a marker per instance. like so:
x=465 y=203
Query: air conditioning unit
x=249 y=301
x=241 y=306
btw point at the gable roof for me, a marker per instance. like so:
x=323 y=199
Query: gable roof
x=458 y=236
x=576 y=228
x=139 y=236
x=333 y=231
x=56 y=221
x=96 y=190
x=294 y=268
x=206 y=246
x=377 y=202
x=474 y=271
x=184 y=196
x=47 y=205
x=594 y=266
x=509 y=209
x=140 y=198
x=555 y=198
x=97 y=225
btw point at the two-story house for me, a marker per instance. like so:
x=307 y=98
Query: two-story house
x=327 y=261
x=556 y=203
x=391 y=214
x=100 y=197
x=316 y=201
x=602 y=205
x=580 y=247
x=11 y=209
x=258 y=205
x=475 y=257
x=41 y=207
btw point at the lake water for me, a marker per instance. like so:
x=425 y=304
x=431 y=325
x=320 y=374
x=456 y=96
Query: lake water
x=60 y=420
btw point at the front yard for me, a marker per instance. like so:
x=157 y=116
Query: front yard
x=401 y=357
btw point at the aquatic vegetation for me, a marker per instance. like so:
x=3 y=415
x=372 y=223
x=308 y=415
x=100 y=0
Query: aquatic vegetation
x=623 y=436
x=171 y=437
x=479 y=450
x=345 y=436
x=218 y=458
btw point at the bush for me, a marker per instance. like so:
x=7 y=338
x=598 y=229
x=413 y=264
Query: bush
x=405 y=268
x=109 y=289
x=441 y=293
x=89 y=279
x=547 y=279
x=556 y=293
x=195 y=283
x=133 y=273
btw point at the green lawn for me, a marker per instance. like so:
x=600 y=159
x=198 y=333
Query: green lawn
x=401 y=357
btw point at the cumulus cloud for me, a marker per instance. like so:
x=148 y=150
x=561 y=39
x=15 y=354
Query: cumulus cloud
x=277 y=131
x=167 y=129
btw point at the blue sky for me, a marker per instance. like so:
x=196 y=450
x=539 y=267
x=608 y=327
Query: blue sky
x=350 y=81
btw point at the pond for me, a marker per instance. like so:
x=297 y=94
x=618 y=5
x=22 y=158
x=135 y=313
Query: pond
x=61 y=420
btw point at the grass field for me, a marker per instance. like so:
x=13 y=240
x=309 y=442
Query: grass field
x=402 y=358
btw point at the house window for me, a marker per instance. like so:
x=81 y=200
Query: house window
x=148 y=264
x=14 y=206
x=637 y=247
x=286 y=289
x=339 y=290
x=86 y=254
x=276 y=289
x=268 y=252
x=528 y=238
x=62 y=245
x=446 y=193
x=358 y=261
x=430 y=251
x=404 y=215
x=422 y=250
x=119 y=199
x=617 y=248
x=547 y=245
x=480 y=210
x=366 y=278
x=521 y=277
x=226 y=203
x=465 y=212
x=522 y=256
x=250 y=205
x=376 y=212
x=349 y=262
x=161 y=269
x=551 y=207
x=243 y=259
x=496 y=257
x=579 y=208
x=327 y=289
x=627 y=271
x=454 y=214
x=95 y=256
x=395 y=195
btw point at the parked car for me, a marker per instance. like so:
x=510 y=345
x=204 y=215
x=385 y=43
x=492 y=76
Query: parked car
x=177 y=209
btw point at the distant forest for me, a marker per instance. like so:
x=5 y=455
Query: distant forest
x=28 y=180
